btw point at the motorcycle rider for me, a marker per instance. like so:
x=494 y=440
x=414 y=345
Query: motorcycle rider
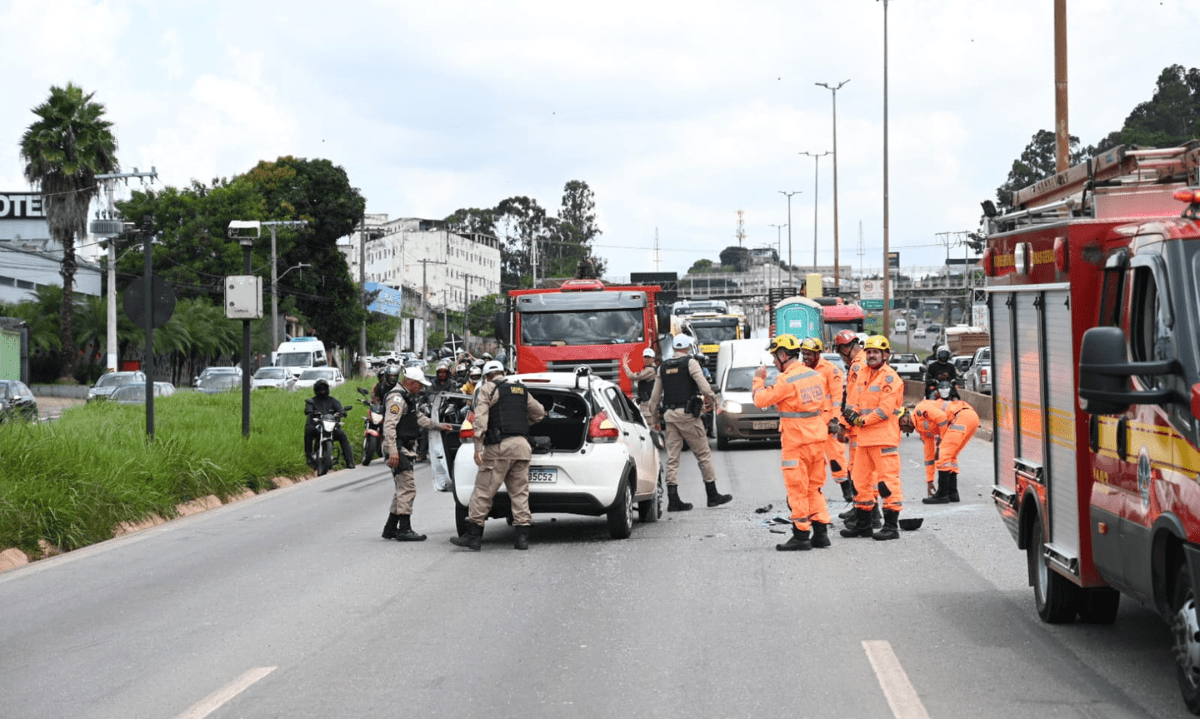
x=314 y=407
x=443 y=381
x=474 y=380
x=402 y=426
x=387 y=380
x=504 y=411
x=941 y=369
x=680 y=394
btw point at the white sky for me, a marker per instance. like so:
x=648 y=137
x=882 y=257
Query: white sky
x=676 y=114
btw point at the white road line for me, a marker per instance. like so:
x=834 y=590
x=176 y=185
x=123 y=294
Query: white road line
x=208 y=705
x=897 y=689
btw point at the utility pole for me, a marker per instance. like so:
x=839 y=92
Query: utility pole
x=887 y=285
x=816 y=188
x=112 y=227
x=1062 y=138
x=837 y=276
x=778 y=241
x=275 y=277
x=362 y=287
x=425 y=263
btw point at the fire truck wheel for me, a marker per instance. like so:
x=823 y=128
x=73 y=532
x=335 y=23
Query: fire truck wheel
x=1056 y=597
x=1099 y=605
x=1186 y=632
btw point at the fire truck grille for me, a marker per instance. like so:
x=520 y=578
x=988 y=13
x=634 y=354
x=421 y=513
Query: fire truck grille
x=607 y=369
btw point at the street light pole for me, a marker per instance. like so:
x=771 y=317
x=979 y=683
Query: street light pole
x=887 y=276
x=816 y=188
x=789 y=224
x=837 y=275
x=275 y=279
x=778 y=242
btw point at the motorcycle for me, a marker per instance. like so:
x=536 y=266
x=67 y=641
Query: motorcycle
x=372 y=429
x=328 y=450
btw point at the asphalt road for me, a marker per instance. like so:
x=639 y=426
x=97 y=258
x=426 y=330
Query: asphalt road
x=289 y=604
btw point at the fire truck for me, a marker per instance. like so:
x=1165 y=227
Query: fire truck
x=584 y=322
x=1094 y=300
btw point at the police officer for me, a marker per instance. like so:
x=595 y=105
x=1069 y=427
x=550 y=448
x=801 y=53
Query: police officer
x=314 y=407
x=876 y=412
x=800 y=394
x=678 y=390
x=835 y=450
x=644 y=379
x=504 y=411
x=941 y=369
x=402 y=426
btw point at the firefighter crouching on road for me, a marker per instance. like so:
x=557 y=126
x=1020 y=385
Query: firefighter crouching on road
x=800 y=394
x=504 y=411
x=876 y=412
x=928 y=420
x=962 y=422
x=831 y=409
x=679 y=389
x=403 y=425
x=644 y=379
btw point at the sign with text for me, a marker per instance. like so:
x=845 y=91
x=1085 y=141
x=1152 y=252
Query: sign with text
x=21 y=206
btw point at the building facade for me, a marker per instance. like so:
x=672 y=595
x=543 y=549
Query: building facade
x=29 y=258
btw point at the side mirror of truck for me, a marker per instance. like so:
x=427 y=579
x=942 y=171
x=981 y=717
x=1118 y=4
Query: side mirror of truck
x=500 y=327
x=662 y=316
x=1104 y=372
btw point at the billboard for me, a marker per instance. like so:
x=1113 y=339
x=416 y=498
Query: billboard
x=389 y=301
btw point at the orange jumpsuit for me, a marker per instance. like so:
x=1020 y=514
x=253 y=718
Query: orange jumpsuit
x=835 y=450
x=854 y=373
x=799 y=393
x=963 y=421
x=931 y=421
x=877 y=459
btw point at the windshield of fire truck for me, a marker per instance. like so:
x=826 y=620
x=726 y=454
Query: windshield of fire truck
x=712 y=334
x=588 y=327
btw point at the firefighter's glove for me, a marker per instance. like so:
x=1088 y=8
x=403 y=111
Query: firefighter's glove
x=859 y=421
x=851 y=415
x=834 y=426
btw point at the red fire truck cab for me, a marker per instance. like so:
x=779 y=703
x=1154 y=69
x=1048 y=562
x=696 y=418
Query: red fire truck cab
x=1094 y=299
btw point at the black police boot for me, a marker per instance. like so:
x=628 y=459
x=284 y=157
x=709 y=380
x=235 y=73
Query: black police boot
x=847 y=486
x=521 y=541
x=859 y=525
x=472 y=539
x=715 y=498
x=891 y=529
x=674 y=504
x=876 y=518
x=389 y=528
x=952 y=494
x=942 y=495
x=820 y=535
x=404 y=531
x=799 y=541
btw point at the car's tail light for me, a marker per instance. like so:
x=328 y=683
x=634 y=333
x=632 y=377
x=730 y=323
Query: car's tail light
x=983 y=374
x=601 y=429
x=467 y=431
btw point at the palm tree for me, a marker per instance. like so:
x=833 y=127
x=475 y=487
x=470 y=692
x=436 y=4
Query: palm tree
x=63 y=151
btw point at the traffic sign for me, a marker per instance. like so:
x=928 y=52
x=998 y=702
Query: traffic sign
x=162 y=301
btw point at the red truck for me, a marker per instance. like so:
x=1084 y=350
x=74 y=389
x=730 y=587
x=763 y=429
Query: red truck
x=584 y=322
x=1094 y=300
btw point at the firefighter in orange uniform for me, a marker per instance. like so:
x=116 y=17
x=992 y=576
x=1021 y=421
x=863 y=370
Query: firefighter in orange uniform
x=962 y=422
x=835 y=450
x=847 y=345
x=799 y=393
x=928 y=420
x=876 y=411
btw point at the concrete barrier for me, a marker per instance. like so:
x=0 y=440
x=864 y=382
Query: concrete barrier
x=65 y=391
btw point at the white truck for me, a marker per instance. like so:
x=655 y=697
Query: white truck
x=300 y=353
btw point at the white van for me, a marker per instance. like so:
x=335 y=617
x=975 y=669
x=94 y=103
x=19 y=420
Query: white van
x=737 y=418
x=901 y=326
x=300 y=353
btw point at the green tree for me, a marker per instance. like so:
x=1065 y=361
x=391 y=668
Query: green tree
x=520 y=221
x=483 y=314
x=63 y=151
x=1037 y=162
x=472 y=220
x=737 y=258
x=703 y=265
x=1171 y=116
x=575 y=231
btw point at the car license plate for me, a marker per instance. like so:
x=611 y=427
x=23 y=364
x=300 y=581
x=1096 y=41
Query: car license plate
x=543 y=475
x=763 y=425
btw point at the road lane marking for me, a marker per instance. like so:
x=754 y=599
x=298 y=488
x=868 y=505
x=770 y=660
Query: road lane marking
x=901 y=696
x=208 y=705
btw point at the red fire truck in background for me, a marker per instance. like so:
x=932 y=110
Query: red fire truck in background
x=1094 y=299
x=584 y=322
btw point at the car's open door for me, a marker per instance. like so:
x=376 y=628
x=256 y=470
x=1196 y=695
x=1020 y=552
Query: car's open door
x=445 y=407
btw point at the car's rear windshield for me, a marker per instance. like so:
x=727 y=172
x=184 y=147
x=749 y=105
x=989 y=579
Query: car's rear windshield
x=112 y=379
x=269 y=372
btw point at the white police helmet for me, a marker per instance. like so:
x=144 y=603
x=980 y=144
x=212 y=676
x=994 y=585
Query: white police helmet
x=492 y=366
x=417 y=374
x=681 y=341
x=648 y=353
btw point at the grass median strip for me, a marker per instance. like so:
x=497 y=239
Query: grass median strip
x=72 y=482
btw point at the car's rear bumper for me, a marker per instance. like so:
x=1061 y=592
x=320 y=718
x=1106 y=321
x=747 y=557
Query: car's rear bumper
x=586 y=482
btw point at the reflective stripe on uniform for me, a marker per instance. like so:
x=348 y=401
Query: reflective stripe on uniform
x=960 y=428
x=801 y=415
x=889 y=451
x=789 y=463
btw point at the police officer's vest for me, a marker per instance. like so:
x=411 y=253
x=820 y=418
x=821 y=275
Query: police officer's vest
x=645 y=389
x=407 y=428
x=509 y=415
x=677 y=382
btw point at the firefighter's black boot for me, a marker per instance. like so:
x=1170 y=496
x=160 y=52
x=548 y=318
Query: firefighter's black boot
x=820 y=535
x=942 y=495
x=859 y=525
x=891 y=529
x=876 y=518
x=674 y=504
x=521 y=541
x=472 y=539
x=404 y=531
x=953 y=492
x=389 y=528
x=799 y=541
x=715 y=498
x=847 y=486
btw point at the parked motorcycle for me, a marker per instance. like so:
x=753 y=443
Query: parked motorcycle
x=372 y=429
x=328 y=450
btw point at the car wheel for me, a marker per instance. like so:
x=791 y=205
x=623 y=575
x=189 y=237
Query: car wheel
x=1186 y=634
x=620 y=515
x=651 y=510
x=1055 y=596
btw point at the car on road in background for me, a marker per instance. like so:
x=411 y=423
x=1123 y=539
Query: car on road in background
x=109 y=382
x=310 y=376
x=274 y=377
x=979 y=375
x=962 y=363
x=17 y=401
x=135 y=394
x=918 y=332
x=217 y=370
x=593 y=453
x=220 y=383
x=907 y=366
